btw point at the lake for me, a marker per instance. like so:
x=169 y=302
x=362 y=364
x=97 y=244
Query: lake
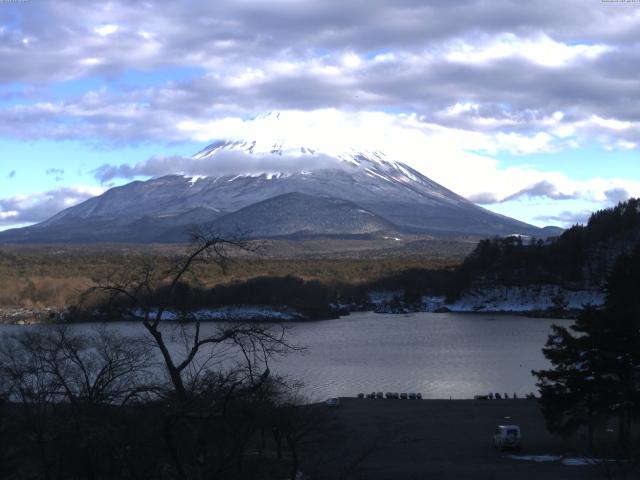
x=440 y=355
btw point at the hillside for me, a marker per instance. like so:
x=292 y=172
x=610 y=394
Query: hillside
x=294 y=214
x=582 y=256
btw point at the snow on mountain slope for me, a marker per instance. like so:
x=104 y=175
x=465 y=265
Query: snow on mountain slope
x=305 y=159
x=297 y=214
x=232 y=175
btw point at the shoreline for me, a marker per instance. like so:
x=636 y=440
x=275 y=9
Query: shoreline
x=50 y=316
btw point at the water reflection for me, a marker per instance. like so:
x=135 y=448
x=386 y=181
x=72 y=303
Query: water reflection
x=440 y=355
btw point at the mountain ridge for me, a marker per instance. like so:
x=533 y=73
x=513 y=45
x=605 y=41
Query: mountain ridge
x=236 y=175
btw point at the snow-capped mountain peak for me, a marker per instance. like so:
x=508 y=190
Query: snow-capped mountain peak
x=279 y=158
x=281 y=134
x=277 y=180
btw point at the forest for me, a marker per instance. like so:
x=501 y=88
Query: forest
x=581 y=258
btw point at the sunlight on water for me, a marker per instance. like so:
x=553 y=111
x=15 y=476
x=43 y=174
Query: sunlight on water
x=439 y=355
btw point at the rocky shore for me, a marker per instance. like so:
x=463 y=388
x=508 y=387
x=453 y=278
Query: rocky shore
x=29 y=316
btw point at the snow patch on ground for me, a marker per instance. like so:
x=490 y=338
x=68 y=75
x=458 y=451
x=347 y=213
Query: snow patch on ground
x=501 y=298
x=384 y=296
x=244 y=313
x=569 y=461
x=536 y=458
x=194 y=179
x=522 y=299
x=433 y=303
x=581 y=462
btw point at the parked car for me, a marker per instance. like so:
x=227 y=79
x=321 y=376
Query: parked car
x=412 y=396
x=388 y=395
x=361 y=395
x=403 y=396
x=419 y=396
x=507 y=437
x=332 y=402
x=379 y=395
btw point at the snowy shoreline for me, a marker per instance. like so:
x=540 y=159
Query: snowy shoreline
x=550 y=301
x=534 y=300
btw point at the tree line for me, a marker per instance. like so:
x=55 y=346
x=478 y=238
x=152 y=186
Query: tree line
x=583 y=255
x=593 y=384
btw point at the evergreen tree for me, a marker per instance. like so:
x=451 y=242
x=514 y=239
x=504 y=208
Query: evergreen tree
x=595 y=370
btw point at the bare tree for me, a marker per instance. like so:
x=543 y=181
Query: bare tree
x=53 y=365
x=206 y=371
x=24 y=381
x=254 y=344
x=60 y=382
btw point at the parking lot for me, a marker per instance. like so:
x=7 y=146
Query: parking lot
x=445 y=439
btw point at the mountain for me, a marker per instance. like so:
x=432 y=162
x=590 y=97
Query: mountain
x=273 y=188
x=289 y=215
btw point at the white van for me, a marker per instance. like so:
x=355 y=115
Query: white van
x=332 y=402
x=507 y=436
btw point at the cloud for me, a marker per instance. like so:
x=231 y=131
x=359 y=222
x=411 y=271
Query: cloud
x=26 y=209
x=169 y=33
x=443 y=86
x=225 y=163
x=518 y=66
x=595 y=190
x=484 y=198
x=541 y=189
x=56 y=173
x=105 y=30
x=617 y=195
x=566 y=218
x=542 y=51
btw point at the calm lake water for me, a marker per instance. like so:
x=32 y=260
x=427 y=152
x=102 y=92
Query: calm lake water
x=441 y=355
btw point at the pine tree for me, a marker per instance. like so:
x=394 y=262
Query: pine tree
x=595 y=372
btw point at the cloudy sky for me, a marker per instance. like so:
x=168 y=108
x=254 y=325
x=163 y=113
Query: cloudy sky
x=531 y=109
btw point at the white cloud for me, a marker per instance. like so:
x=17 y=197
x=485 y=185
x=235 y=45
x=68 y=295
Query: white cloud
x=610 y=123
x=91 y=61
x=540 y=49
x=26 y=209
x=106 y=30
x=351 y=60
x=461 y=107
x=9 y=215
